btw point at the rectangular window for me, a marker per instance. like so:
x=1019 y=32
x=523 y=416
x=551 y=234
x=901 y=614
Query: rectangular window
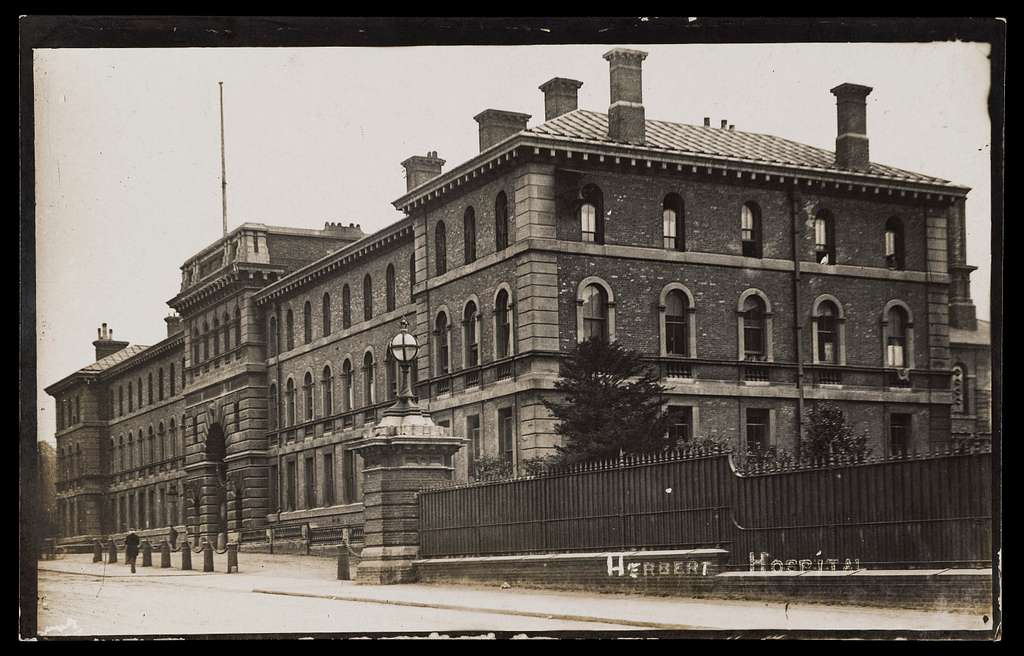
x=473 y=433
x=310 y=483
x=290 y=483
x=680 y=427
x=894 y=353
x=506 y=434
x=171 y=379
x=328 y=479
x=757 y=429
x=899 y=433
x=349 y=465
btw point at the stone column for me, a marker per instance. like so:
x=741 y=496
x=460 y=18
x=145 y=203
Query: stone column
x=401 y=456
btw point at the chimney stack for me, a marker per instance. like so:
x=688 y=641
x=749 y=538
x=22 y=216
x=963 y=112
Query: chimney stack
x=725 y=123
x=173 y=324
x=497 y=125
x=852 y=133
x=626 y=111
x=560 y=96
x=707 y=121
x=105 y=344
x=419 y=169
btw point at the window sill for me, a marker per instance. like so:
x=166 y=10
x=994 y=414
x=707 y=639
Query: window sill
x=757 y=383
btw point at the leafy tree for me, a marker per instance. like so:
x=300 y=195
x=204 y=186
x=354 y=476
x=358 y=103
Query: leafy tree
x=612 y=404
x=828 y=434
x=494 y=468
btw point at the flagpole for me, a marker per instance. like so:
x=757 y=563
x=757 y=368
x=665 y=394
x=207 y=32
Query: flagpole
x=223 y=179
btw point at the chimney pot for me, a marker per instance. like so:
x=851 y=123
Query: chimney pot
x=496 y=125
x=707 y=121
x=560 y=96
x=419 y=169
x=732 y=128
x=852 y=129
x=626 y=119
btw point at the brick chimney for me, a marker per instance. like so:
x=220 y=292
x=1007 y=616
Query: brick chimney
x=419 y=169
x=626 y=112
x=560 y=96
x=852 y=134
x=173 y=324
x=497 y=125
x=105 y=344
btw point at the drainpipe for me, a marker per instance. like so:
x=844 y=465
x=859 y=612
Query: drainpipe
x=277 y=408
x=798 y=233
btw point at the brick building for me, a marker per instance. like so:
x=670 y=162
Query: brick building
x=759 y=275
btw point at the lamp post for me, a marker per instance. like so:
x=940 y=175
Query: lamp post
x=403 y=349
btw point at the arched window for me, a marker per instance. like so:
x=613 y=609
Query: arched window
x=591 y=214
x=595 y=312
x=149 y=388
x=325 y=311
x=470 y=337
x=290 y=401
x=160 y=383
x=469 y=235
x=412 y=275
x=346 y=381
x=307 y=323
x=172 y=435
x=673 y=228
x=289 y=330
x=750 y=230
x=227 y=332
x=346 y=307
x=368 y=379
x=139 y=390
x=272 y=330
x=161 y=447
x=120 y=398
x=120 y=451
x=307 y=395
x=238 y=327
x=896 y=338
x=501 y=228
x=754 y=343
x=151 y=456
x=390 y=377
x=389 y=288
x=502 y=325
x=78 y=408
x=441 y=342
x=367 y=298
x=216 y=337
x=441 y=248
x=894 y=252
x=170 y=380
x=827 y=333
x=677 y=339
x=275 y=406
x=206 y=341
x=824 y=238
x=327 y=391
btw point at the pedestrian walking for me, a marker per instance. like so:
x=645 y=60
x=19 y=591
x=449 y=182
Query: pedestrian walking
x=131 y=549
x=172 y=536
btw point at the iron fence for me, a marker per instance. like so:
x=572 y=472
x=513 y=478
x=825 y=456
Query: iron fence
x=931 y=510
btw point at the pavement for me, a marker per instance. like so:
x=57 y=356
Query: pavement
x=295 y=582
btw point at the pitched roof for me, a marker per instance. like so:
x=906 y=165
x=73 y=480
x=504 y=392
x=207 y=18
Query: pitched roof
x=983 y=335
x=585 y=125
x=114 y=358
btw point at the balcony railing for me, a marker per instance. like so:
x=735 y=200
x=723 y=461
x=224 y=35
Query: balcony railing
x=504 y=370
x=443 y=386
x=756 y=373
x=678 y=370
x=828 y=376
x=471 y=378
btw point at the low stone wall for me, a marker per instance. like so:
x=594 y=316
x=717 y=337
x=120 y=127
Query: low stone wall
x=697 y=573
x=683 y=571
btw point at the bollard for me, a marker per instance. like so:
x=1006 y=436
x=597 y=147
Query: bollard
x=112 y=555
x=232 y=558
x=186 y=555
x=207 y=557
x=165 y=555
x=97 y=552
x=343 y=571
x=147 y=554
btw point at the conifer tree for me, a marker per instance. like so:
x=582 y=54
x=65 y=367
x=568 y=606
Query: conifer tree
x=828 y=434
x=611 y=404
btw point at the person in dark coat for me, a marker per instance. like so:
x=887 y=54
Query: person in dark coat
x=131 y=549
x=173 y=538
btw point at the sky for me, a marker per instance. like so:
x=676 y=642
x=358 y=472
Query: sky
x=127 y=145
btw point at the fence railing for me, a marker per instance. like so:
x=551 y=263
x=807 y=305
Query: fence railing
x=929 y=510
